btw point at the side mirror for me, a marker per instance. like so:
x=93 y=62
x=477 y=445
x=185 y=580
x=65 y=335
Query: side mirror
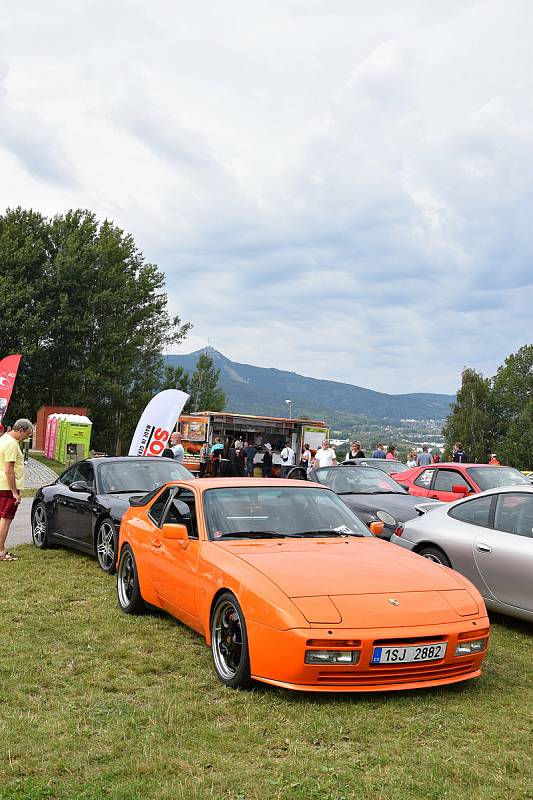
x=176 y=533
x=458 y=488
x=376 y=527
x=79 y=486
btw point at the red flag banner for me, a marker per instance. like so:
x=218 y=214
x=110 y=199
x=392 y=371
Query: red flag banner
x=8 y=372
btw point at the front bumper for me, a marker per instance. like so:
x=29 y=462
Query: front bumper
x=277 y=657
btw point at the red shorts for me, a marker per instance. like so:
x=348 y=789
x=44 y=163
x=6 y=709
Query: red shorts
x=8 y=507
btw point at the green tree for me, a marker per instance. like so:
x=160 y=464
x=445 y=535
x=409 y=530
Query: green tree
x=175 y=378
x=513 y=398
x=473 y=420
x=89 y=316
x=205 y=393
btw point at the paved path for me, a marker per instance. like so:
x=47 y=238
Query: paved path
x=37 y=474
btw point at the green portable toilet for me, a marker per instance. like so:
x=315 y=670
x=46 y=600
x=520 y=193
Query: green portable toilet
x=74 y=439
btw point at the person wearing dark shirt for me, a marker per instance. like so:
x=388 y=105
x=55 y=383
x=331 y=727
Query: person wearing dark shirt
x=379 y=452
x=250 y=452
x=267 y=461
x=459 y=454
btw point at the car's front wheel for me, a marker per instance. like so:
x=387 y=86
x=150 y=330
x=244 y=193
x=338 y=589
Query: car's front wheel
x=128 y=588
x=106 y=546
x=229 y=642
x=436 y=555
x=39 y=527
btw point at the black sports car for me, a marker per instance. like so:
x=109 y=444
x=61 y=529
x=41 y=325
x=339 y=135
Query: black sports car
x=84 y=506
x=370 y=493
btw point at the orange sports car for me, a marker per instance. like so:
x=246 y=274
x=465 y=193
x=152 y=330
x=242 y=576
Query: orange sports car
x=290 y=588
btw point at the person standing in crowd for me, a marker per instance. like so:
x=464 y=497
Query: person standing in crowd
x=379 y=452
x=266 y=466
x=177 y=448
x=11 y=479
x=411 y=459
x=204 y=458
x=423 y=458
x=287 y=459
x=459 y=454
x=494 y=461
x=325 y=456
x=391 y=453
x=250 y=452
x=436 y=457
x=240 y=461
x=306 y=459
x=216 y=454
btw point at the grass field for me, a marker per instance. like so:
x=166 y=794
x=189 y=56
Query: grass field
x=95 y=704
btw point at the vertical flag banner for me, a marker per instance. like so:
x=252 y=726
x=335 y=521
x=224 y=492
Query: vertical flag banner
x=157 y=422
x=8 y=372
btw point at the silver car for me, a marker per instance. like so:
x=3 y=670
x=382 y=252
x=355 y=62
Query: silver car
x=488 y=538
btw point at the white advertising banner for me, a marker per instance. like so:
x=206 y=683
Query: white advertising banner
x=157 y=423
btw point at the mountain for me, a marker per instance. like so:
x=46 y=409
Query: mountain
x=257 y=390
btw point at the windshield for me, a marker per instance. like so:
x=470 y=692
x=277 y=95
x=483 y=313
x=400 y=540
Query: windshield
x=358 y=480
x=492 y=477
x=265 y=512
x=139 y=475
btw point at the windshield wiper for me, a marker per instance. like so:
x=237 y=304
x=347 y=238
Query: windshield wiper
x=329 y=532
x=253 y=535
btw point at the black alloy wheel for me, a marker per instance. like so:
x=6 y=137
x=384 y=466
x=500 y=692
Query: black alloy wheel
x=435 y=554
x=106 y=546
x=128 y=589
x=229 y=643
x=39 y=526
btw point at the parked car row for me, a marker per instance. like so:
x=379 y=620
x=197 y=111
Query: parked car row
x=286 y=579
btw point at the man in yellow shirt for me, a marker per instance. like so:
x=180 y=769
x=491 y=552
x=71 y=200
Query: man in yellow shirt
x=11 y=479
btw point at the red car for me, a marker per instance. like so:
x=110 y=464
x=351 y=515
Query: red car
x=450 y=481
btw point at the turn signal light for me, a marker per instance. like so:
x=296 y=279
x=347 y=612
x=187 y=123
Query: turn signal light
x=470 y=634
x=333 y=644
x=398 y=530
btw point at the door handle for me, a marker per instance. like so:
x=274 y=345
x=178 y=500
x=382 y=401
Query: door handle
x=155 y=543
x=434 y=496
x=483 y=548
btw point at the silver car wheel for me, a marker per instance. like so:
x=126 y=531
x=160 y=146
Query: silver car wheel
x=126 y=580
x=105 y=546
x=38 y=528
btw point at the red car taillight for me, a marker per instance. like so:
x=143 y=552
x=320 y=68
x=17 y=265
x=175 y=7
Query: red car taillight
x=399 y=530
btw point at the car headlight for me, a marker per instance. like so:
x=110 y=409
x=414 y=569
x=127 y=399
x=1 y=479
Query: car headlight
x=331 y=657
x=468 y=648
x=387 y=518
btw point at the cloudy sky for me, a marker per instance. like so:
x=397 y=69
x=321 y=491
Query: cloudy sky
x=342 y=188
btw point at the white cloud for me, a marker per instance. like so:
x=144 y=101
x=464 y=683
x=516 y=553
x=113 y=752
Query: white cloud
x=342 y=190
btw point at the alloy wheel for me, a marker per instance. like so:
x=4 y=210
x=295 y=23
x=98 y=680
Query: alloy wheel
x=227 y=640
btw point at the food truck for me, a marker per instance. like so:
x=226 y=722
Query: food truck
x=206 y=426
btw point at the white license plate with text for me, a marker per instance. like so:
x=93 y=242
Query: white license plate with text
x=408 y=655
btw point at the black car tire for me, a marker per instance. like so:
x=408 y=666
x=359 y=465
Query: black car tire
x=435 y=554
x=39 y=526
x=229 y=643
x=105 y=542
x=128 y=590
x=297 y=474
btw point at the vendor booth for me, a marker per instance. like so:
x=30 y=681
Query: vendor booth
x=206 y=426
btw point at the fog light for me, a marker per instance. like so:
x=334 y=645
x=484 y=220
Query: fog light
x=331 y=656
x=467 y=648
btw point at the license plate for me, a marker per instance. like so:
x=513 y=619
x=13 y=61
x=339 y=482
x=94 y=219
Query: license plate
x=406 y=655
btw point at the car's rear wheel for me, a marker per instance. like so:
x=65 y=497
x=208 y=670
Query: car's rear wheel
x=229 y=642
x=436 y=555
x=39 y=527
x=128 y=589
x=106 y=546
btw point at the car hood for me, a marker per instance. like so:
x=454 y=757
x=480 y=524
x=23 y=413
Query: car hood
x=360 y=582
x=343 y=566
x=118 y=503
x=401 y=506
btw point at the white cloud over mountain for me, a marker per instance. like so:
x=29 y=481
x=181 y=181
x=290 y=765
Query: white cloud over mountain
x=342 y=189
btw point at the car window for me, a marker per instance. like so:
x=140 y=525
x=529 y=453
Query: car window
x=424 y=479
x=86 y=473
x=174 y=517
x=494 y=477
x=446 y=478
x=156 y=511
x=475 y=512
x=514 y=514
x=139 y=474
x=69 y=476
x=358 y=480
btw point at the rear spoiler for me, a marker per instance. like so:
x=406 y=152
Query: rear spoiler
x=423 y=508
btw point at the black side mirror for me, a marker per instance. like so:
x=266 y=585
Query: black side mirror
x=80 y=486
